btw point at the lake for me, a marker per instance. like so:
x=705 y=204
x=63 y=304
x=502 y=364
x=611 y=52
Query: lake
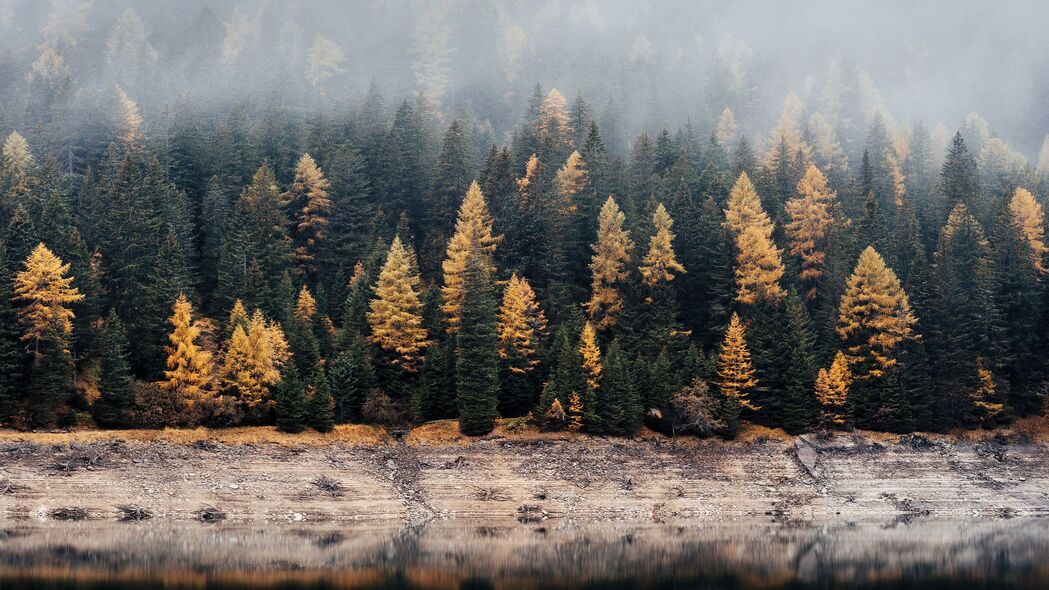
x=1008 y=553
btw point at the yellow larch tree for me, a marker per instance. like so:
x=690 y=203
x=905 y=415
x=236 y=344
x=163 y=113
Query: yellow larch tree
x=311 y=206
x=983 y=397
x=874 y=317
x=1029 y=219
x=394 y=314
x=189 y=367
x=759 y=268
x=472 y=228
x=744 y=208
x=736 y=375
x=726 y=129
x=47 y=291
x=254 y=358
x=522 y=324
x=238 y=316
x=305 y=306
x=660 y=263
x=810 y=220
x=832 y=389
x=591 y=354
x=16 y=162
x=608 y=267
x=555 y=128
x=130 y=117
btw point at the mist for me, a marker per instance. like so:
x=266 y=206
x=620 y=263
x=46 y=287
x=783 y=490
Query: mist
x=656 y=64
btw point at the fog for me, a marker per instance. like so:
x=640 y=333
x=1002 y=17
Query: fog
x=657 y=63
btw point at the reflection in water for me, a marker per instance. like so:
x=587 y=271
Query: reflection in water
x=508 y=554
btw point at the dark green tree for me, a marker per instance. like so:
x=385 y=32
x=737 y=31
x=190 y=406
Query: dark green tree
x=477 y=365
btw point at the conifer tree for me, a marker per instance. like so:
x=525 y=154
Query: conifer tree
x=477 y=364
x=811 y=220
x=46 y=291
x=660 y=263
x=1027 y=216
x=117 y=396
x=832 y=391
x=745 y=210
x=874 y=318
x=590 y=354
x=522 y=328
x=567 y=377
x=736 y=376
x=320 y=409
x=608 y=267
x=759 y=268
x=189 y=367
x=310 y=206
x=396 y=325
x=290 y=396
x=12 y=355
x=253 y=361
x=472 y=229
x=619 y=406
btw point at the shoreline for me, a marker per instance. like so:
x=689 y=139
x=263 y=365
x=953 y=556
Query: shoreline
x=359 y=474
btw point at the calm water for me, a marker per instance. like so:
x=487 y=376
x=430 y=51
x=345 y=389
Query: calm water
x=508 y=554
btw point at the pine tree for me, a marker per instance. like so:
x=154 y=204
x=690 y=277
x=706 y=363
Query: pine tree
x=12 y=356
x=396 y=326
x=320 y=409
x=832 y=391
x=619 y=404
x=477 y=364
x=960 y=182
x=798 y=406
x=522 y=328
x=736 y=376
x=117 y=396
x=310 y=206
x=745 y=210
x=472 y=229
x=567 y=377
x=759 y=268
x=189 y=367
x=608 y=267
x=290 y=396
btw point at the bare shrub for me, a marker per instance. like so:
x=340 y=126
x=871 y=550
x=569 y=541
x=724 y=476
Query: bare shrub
x=696 y=410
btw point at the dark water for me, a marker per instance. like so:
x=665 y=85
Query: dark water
x=506 y=554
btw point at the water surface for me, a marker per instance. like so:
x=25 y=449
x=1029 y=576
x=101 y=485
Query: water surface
x=554 y=554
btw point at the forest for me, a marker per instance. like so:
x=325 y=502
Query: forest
x=305 y=253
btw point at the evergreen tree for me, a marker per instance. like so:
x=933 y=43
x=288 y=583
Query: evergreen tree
x=320 y=409
x=477 y=365
x=291 y=401
x=619 y=404
x=116 y=399
x=352 y=376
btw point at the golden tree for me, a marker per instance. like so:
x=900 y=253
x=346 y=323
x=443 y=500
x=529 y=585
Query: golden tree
x=521 y=326
x=189 y=367
x=983 y=397
x=744 y=208
x=16 y=162
x=591 y=354
x=874 y=317
x=396 y=324
x=46 y=289
x=832 y=389
x=311 y=206
x=130 y=117
x=305 y=306
x=555 y=129
x=254 y=358
x=660 y=263
x=726 y=129
x=572 y=178
x=736 y=375
x=473 y=227
x=1029 y=219
x=759 y=268
x=608 y=267
x=238 y=316
x=811 y=217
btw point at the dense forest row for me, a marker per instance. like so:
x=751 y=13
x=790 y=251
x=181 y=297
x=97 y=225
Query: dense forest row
x=397 y=265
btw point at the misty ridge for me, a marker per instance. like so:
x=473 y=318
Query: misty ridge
x=642 y=66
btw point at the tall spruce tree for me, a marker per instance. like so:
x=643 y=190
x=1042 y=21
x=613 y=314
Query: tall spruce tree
x=477 y=364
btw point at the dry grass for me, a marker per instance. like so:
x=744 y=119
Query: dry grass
x=356 y=434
